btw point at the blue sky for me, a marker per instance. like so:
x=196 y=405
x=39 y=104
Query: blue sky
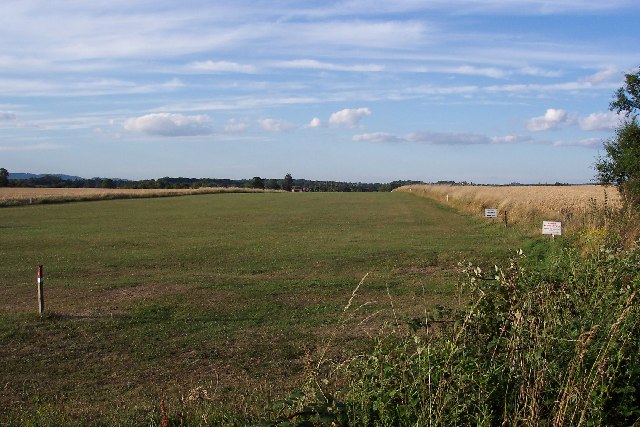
x=485 y=91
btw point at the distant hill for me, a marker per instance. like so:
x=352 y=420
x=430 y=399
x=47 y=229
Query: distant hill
x=20 y=175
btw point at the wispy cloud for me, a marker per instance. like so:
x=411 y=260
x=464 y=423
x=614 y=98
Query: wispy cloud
x=584 y=142
x=312 y=64
x=32 y=147
x=83 y=87
x=440 y=138
x=379 y=137
x=222 y=67
x=274 y=125
x=235 y=126
x=6 y=116
x=448 y=138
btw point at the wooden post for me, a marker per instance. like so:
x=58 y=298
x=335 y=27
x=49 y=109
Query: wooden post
x=506 y=224
x=40 y=291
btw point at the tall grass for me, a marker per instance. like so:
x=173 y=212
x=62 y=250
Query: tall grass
x=556 y=348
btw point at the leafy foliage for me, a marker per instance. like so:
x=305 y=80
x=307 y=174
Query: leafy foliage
x=287 y=183
x=621 y=165
x=557 y=348
x=4 y=177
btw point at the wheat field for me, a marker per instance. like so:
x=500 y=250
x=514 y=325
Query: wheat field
x=22 y=195
x=574 y=205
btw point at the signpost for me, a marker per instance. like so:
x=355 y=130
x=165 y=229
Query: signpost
x=40 y=278
x=491 y=213
x=554 y=228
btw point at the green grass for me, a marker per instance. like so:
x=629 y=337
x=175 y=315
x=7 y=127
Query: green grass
x=148 y=299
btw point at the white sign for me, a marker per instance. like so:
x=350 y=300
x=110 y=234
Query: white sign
x=491 y=213
x=552 y=227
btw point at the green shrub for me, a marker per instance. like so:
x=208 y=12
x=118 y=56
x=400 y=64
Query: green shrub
x=553 y=346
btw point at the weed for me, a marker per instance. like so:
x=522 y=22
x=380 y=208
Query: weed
x=529 y=349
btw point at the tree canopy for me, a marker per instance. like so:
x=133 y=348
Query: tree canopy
x=4 y=177
x=287 y=183
x=621 y=164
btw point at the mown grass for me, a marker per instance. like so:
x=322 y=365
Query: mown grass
x=237 y=293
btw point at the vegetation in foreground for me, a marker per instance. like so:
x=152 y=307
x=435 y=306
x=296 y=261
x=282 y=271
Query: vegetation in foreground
x=549 y=338
x=553 y=346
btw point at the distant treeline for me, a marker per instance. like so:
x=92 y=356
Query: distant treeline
x=54 y=181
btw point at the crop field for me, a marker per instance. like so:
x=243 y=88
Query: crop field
x=235 y=296
x=576 y=206
x=11 y=196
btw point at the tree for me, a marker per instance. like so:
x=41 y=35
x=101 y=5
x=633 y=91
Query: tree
x=4 y=177
x=257 y=182
x=108 y=183
x=287 y=183
x=621 y=164
x=272 y=184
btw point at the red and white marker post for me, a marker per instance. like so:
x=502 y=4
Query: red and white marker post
x=40 y=290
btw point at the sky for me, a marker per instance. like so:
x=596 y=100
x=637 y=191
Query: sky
x=487 y=91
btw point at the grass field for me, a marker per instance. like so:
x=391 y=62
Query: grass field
x=147 y=299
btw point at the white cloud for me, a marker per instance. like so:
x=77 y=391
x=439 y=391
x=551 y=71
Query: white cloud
x=234 y=126
x=166 y=124
x=552 y=119
x=274 y=125
x=314 y=123
x=349 y=116
x=377 y=137
x=601 y=121
x=222 y=67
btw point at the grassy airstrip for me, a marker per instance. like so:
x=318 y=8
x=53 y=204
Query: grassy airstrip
x=149 y=299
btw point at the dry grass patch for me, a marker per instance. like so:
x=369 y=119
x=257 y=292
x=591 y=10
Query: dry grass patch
x=575 y=205
x=11 y=196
